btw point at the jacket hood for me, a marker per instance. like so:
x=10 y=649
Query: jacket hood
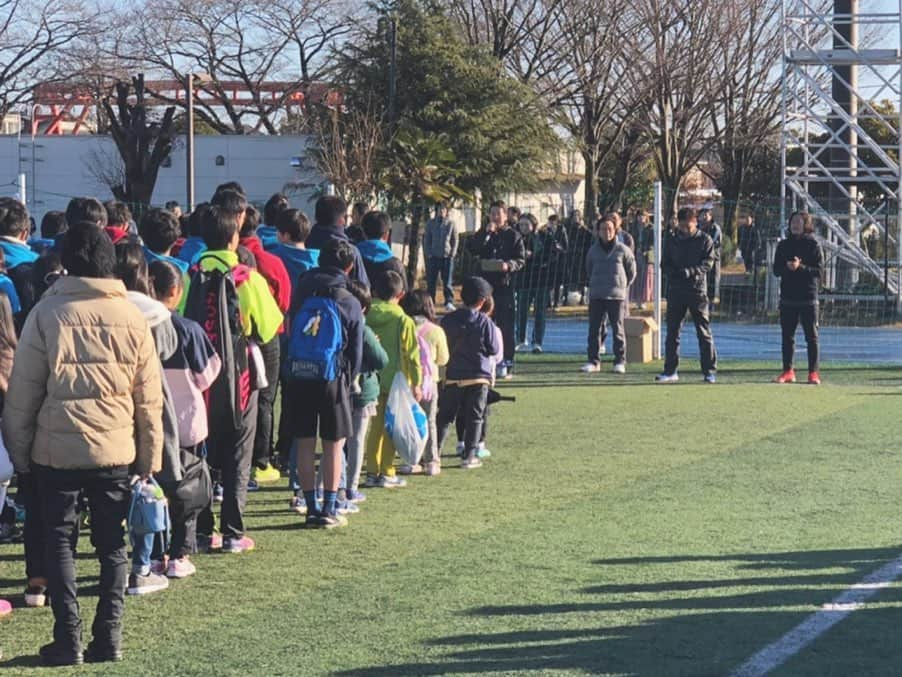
x=17 y=253
x=308 y=257
x=327 y=277
x=154 y=312
x=376 y=251
x=252 y=244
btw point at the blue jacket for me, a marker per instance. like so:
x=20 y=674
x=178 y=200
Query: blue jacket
x=39 y=245
x=320 y=281
x=297 y=261
x=7 y=287
x=379 y=258
x=191 y=249
x=17 y=253
x=269 y=236
x=471 y=344
x=178 y=263
x=320 y=235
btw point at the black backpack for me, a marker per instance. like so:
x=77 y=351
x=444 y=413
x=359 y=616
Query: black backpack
x=213 y=303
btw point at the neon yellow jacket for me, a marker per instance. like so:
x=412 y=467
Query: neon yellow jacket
x=398 y=335
x=260 y=316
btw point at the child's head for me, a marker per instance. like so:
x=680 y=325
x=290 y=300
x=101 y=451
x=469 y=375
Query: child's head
x=233 y=203
x=389 y=286
x=131 y=267
x=194 y=220
x=86 y=209
x=376 y=226
x=475 y=291
x=293 y=226
x=274 y=206
x=159 y=229
x=117 y=213
x=46 y=270
x=167 y=283
x=219 y=228
x=14 y=219
x=251 y=221
x=331 y=210
x=337 y=254
x=419 y=303
x=53 y=224
x=361 y=293
x=228 y=186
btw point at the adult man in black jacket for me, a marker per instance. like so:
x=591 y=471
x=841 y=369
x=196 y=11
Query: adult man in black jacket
x=687 y=260
x=798 y=262
x=500 y=249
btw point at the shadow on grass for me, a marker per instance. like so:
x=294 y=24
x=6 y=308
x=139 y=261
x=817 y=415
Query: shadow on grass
x=686 y=635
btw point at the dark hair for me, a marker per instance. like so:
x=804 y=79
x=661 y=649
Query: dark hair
x=218 y=227
x=419 y=302
x=183 y=225
x=360 y=292
x=194 y=220
x=251 y=221
x=163 y=277
x=228 y=186
x=360 y=209
x=294 y=224
x=87 y=251
x=500 y=204
x=376 y=225
x=808 y=222
x=172 y=205
x=131 y=267
x=159 y=229
x=686 y=214
x=337 y=254
x=388 y=285
x=86 y=209
x=45 y=271
x=274 y=206
x=13 y=218
x=515 y=210
x=117 y=213
x=474 y=290
x=231 y=201
x=329 y=209
x=53 y=224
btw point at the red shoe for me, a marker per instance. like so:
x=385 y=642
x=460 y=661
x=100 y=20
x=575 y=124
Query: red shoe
x=814 y=378
x=788 y=376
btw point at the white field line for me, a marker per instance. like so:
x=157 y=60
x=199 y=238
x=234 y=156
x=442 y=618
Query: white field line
x=774 y=655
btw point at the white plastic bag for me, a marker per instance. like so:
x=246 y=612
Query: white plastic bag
x=405 y=421
x=6 y=465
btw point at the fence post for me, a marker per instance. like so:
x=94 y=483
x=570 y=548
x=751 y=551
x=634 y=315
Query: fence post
x=23 y=194
x=659 y=226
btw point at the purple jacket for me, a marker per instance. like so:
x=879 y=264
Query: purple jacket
x=471 y=343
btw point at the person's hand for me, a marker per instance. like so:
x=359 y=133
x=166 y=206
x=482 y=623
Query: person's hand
x=793 y=263
x=418 y=393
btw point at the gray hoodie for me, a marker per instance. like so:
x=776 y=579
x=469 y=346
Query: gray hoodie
x=610 y=272
x=167 y=342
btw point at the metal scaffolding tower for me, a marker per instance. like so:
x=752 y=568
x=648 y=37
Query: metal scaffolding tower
x=839 y=138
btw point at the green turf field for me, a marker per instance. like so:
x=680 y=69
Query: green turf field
x=620 y=528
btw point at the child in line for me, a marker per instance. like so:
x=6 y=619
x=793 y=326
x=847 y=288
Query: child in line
x=434 y=355
x=189 y=371
x=292 y=231
x=472 y=343
x=398 y=335
x=7 y=350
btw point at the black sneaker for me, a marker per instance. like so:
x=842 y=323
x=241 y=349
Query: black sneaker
x=314 y=520
x=56 y=655
x=333 y=521
x=102 y=654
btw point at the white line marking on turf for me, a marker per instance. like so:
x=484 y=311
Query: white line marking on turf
x=774 y=655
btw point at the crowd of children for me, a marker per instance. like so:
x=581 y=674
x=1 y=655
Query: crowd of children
x=143 y=360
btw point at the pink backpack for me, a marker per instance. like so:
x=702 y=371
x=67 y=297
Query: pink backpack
x=428 y=387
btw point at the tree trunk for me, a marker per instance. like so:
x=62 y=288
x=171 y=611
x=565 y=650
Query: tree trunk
x=413 y=242
x=590 y=209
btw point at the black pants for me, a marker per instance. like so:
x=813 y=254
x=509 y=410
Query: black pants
x=461 y=427
x=34 y=526
x=108 y=495
x=714 y=280
x=613 y=311
x=468 y=403
x=505 y=318
x=234 y=456
x=697 y=306
x=265 y=399
x=790 y=317
x=443 y=266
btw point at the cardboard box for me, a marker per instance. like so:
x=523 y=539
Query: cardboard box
x=640 y=336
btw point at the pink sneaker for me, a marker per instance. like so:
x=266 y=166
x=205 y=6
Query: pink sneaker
x=180 y=568
x=433 y=468
x=410 y=469
x=238 y=545
x=5 y=608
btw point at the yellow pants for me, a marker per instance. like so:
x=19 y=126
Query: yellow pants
x=380 y=450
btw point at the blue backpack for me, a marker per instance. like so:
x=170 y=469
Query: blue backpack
x=316 y=340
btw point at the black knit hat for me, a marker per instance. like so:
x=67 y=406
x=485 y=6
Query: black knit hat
x=88 y=251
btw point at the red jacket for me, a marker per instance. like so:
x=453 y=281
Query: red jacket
x=273 y=271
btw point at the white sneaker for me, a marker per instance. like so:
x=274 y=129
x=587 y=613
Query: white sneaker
x=522 y=347
x=450 y=307
x=590 y=368
x=180 y=568
x=666 y=378
x=620 y=368
x=602 y=350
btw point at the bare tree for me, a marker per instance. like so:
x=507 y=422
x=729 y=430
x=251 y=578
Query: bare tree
x=35 y=37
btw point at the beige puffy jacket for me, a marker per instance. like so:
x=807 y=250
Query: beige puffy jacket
x=86 y=390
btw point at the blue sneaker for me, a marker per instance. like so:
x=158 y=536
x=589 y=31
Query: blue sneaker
x=253 y=485
x=355 y=496
x=346 y=508
x=482 y=452
x=667 y=378
x=710 y=378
